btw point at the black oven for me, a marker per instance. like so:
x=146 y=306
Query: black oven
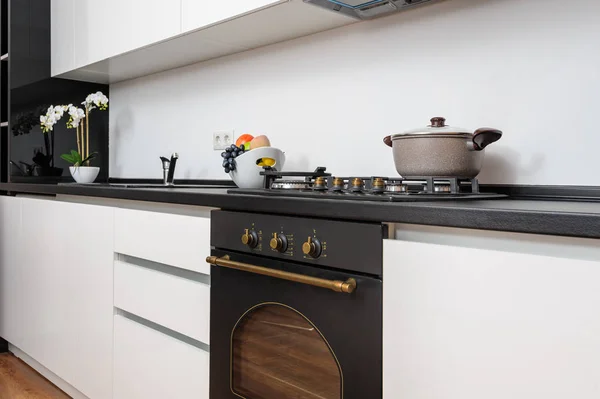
x=300 y=320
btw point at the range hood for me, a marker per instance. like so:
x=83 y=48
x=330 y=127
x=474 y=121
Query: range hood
x=361 y=9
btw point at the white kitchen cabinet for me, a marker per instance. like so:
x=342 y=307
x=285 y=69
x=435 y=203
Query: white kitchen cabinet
x=67 y=270
x=62 y=40
x=95 y=25
x=176 y=240
x=88 y=31
x=178 y=302
x=149 y=364
x=108 y=28
x=117 y=40
x=468 y=323
x=197 y=14
x=133 y=24
x=11 y=298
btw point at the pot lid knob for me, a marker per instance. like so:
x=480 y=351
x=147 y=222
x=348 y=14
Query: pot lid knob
x=438 y=121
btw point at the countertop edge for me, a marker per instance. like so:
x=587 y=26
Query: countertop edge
x=465 y=215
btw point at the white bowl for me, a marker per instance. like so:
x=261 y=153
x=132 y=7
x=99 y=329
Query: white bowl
x=247 y=172
x=84 y=174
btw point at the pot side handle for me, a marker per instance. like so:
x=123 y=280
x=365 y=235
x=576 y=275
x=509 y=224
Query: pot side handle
x=388 y=140
x=485 y=136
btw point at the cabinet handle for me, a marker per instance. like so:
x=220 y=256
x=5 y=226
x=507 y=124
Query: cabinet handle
x=347 y=286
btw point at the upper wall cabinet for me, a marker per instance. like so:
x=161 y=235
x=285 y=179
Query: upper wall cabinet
x=88 y=31
x=202 y=13
x=107 y=28
x=61 y=32
x=28 y=42
x=116 y=40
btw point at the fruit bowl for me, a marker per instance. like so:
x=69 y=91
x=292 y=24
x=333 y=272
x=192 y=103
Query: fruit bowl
x=249 y=165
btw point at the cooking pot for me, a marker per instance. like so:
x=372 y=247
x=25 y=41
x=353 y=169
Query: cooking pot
x=440 y=150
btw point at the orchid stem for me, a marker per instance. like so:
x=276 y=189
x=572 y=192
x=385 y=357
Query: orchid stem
x=87 y=132
x=78 y=142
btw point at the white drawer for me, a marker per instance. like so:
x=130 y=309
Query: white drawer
x=151 y=365
x=178 y=303
x=176 y=240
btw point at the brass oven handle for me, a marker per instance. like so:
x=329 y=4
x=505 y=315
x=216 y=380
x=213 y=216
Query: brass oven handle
x=347 y=286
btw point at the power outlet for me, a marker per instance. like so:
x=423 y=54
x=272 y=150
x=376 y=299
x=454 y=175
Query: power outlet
x=222 y=140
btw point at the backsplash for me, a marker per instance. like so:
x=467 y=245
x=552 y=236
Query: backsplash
x=530 y=68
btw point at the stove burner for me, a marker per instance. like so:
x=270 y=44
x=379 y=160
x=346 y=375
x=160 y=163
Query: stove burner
x=272 y=175
x=442 y=188
x=378 y=185
x=290 y=185
x=396 y=187
x=320 y=184
x=358 y=185
x=338 y=184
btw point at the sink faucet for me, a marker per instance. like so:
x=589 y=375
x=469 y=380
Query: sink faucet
x=169 y=169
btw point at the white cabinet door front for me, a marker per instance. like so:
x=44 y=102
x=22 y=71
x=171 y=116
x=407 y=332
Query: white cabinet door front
x=176 y=240
x=464 y=323
x=62 y=39
x=143 y=22
x=67 y=286
x=93 y=25
x=196 y=14
x=181 y=303
x=153 y=365
x=103 y=29
x=11 y=295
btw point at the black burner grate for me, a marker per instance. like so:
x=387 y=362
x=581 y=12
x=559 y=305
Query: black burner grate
x=320 y=184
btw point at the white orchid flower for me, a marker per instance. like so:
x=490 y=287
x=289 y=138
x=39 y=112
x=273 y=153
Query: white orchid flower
x=76 y=115
x=96 y=100
x=59 y=110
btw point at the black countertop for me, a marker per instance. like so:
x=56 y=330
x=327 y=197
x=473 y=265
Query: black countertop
x=568 y=218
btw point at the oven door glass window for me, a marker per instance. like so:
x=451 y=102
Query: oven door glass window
x=278 y=353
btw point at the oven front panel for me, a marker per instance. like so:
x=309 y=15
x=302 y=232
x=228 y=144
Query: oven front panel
x=344 y=245
x=277 y=339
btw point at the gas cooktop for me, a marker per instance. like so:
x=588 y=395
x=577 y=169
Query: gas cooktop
x=320 y=184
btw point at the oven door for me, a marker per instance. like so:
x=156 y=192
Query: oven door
x=297 y=334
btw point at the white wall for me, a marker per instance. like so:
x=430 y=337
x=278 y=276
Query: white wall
x=528 y=67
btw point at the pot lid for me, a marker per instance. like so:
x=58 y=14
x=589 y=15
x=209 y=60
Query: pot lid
x=438 y=126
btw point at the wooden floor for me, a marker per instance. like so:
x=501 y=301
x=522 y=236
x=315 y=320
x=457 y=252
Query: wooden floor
x=19 y=381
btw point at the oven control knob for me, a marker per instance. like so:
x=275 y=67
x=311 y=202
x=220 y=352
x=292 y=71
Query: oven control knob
x=278 y=243
x=250 y=239
x=312 y=247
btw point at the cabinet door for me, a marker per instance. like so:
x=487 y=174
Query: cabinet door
x=93 y=25
x=153 y=365
x=463 y=323
x=29 y=42
x=67 y=286
x=104 y=29
x=176 y=240
x=149 y=21
x=62 y=36
x=11 y=300
x=196 y=14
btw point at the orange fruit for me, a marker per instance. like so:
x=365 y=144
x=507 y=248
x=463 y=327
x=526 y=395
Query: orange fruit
x=243 y=139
